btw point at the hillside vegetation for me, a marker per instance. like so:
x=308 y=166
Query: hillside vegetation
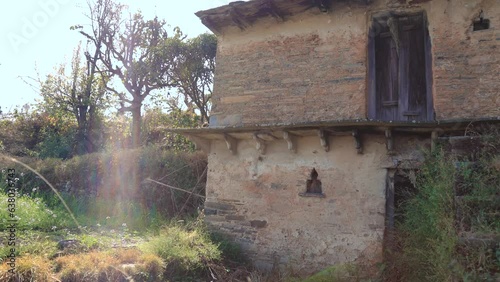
x=451 y=223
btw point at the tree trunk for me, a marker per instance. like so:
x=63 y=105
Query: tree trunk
x=136 y=143
x=81 y=135
x=136 y=125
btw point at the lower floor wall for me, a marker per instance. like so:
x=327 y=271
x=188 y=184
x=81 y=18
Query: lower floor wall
x=259 y=200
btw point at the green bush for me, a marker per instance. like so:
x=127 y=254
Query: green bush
x=229 y=250
x=118 y=184
x=188 y=249
x=430 y=237
x=455 y=204
x=33 y=214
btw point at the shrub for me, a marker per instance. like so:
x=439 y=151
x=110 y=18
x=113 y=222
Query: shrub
x=117 y=185
x=450 y=227
x=428 y=229
x=33 y=214
x=186 y=249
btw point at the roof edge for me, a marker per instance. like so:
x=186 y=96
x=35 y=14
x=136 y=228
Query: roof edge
x=243 y=14
x=446 y=125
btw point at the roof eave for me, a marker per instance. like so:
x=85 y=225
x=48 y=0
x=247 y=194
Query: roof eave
x=243 y=14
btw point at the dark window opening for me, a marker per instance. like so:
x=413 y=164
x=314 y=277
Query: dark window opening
x=400 y=68
x=313 y=186
x=481 y=23
x=404 y=190
x=400 y=189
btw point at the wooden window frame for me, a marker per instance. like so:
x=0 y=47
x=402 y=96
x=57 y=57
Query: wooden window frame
x=374 y=31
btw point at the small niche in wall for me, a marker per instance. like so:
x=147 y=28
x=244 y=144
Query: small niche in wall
x=481 y=23
x=313 y=186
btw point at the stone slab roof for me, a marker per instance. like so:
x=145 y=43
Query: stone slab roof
x=243 y=14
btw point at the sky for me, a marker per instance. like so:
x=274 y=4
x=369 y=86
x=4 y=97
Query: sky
x=36 y=37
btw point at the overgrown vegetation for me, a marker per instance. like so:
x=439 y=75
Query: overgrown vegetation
x=97 y=134
x=451 y=226
x=89 y=183
x=146 y=234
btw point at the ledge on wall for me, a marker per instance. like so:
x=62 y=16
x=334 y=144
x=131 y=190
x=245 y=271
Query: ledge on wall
x=264 y=134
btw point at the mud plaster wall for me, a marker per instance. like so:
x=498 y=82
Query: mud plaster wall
x=312 y=67
x=255 y=199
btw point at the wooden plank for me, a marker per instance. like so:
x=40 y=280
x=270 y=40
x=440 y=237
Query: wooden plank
x=417 y=102
x=428 y=73
x=404 y=73
x=371 y=77
x=386 y=76
x=390 y=103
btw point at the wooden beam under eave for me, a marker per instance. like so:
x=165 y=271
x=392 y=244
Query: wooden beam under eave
x=291 y=140
x=232 y=143
x=357 y=141
x=238 y=18
x=389 y=142
x=323 y=139
x=202 y=144
x=274 y=11
x=260 y=145
x=210 y=24
x=323 y=5
x=434 y=137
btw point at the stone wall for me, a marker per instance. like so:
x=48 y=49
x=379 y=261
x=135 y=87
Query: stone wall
x=255 y=199
x=312 y=67
x=466 y=63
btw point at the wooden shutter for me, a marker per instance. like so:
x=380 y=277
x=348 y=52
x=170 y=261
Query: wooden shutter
x=412 y=83
x=401 y=70
x=387 y=77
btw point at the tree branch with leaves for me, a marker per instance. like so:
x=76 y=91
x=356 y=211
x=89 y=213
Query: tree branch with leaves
x=128 y=48
x=193 y=70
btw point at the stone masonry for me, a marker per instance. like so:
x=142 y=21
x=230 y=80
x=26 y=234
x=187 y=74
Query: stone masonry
x=290 y=96
x=312 y=67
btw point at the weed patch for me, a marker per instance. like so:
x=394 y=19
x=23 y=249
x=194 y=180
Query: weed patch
x=451 y=228
x=187 y=249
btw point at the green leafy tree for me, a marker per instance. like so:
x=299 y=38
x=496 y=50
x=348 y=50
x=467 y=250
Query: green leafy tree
x=154 y=122
x=81 y=94
x=193 y=70
x=128 y=49
x=38 y=133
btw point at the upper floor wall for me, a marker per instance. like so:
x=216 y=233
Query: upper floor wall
x=314 y=66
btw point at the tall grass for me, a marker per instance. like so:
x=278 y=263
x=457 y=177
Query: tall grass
x=34 y=214
x=451 y=225
x=185 y=249
x=428 y=230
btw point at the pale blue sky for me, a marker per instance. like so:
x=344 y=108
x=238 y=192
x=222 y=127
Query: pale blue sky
x=36 y=35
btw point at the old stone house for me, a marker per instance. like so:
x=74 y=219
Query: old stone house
x=318 y=104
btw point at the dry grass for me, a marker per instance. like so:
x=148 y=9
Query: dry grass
x=120 y=265
x=92 y=266
x=31 y=268
x=115 y=265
